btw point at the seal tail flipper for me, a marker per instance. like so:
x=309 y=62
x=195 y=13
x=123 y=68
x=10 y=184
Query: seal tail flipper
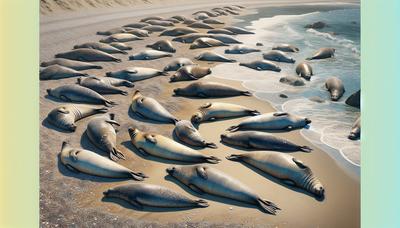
x=233 y=128
x=97 y=67
x=201 y=203
x=268 y=206
x=211 y=145
x=129 y=84
x=138 y=176
x=109 y=103
x=124 y=93
x=115 y=154
x=234 y=157
x=165 y=73
x=246 y=93
x=254 y=112
x=102 y=110
x=213 y=160
x=305 y=149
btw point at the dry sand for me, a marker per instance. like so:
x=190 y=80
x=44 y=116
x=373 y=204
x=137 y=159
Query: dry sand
x=68 y=199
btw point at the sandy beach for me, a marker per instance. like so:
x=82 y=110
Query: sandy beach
x=76 y=200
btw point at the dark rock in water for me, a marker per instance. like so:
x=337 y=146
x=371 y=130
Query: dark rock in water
x=354 y=22
x=283 y=95
x=291 y=80
x=316 y=25
x=259 y=44
x=354 y=99
x=317 y=99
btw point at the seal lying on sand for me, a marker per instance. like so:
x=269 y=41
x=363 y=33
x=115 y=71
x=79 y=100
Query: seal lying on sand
x=102 y=47
x=201 y=25
x=238 y=30
x=262 y=65
x=58 y=72
x=139 y=32
x=120 y=37
x=162 y=45
x=76 y=65
x=100 y=86
x=138 y=25
x=149 y=55
x=134 y=74
x=286 y=48
x=155 y=28
x=190 y=38
x=335 y=87
x=191 y=72
x=212 y=56
x=151 y=18
x=120 y=46
x=212 y=21
x=115 y=81
x=292 y=80
x=160 y=22
x=225 y=38
x=88 y=55
x=356 y=130
x=111 y=31
x=209 y=90
x=323 y=53
x=161 y=146
x=220 y=31
x=205 y=42
x=278 y=56
x=178 y=63
x=178 y=31
x=304 y=70
x=205 y=179
x=241 y=49
x=187 y=133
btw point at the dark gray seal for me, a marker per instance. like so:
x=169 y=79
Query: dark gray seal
x=149 y=55
x=111 y=31
x=335 y=87
x=187 y=133
x=354 y=99
x=138 y=25
x=134 y=74
x=261 y=65
x=58 y=72
x=355 y=130
x=178 y=63
x=201 y=25
x=323 y=53
x=178 y=31
x=191 y=72
x=101 y=47
x=241 y=49
x=209 y=90
x=286 y=48
x=73 y=64
x=88 y=55
x=214 y=57
x=100 y=86
x=316 y=25
x=212 y=21
x=220 y=31
x=304 y=70
x=225 y=38
x=162 y=45
x=155 y=28
x=278 y=56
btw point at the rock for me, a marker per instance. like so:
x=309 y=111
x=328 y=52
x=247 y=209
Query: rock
x=259 y=44
x=354 y=99
x=316 y=25
x=292 y=80
x=283 y=95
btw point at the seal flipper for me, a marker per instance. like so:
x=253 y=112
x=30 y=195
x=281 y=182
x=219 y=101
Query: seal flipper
x=123 y=93
x=138 y=176
x=213 y=160
x=305 y=149
x=109 y=103
x=300 y=164
x=268 y=206
x=234 y=157
x=245 y=93
x=211 y=145
x=233 y=128
x=201 y=203
x=280 y=114
x=254 y=112
x=115 y=154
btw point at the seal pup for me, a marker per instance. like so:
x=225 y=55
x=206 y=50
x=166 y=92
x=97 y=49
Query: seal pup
x=292 y=80
x=100 y=86
x=205 y=179
x=152 y=18
x=155 y=28
x=286 y=48
x=140 y=195
x=162 y=45
x=149 y=55
x=66 y=115
x=134 y=74
x=285 y=167
x=85 y=161
x=241 y=49
x=214 y=57
x=209 y=90
x=355 y=130
x=138 y=25
x=187 y=133
x=100 y=131
x=58 y=72
x=121 y=46
x=261 y=65
x=272 y=121
x=335 y=87
x=201 y=25
x=120 y=37
x=178 y=31
x=178 y=63
x=354 y=99
x=160 y=22
x=149 y=108
x=190 y=38
x=101 y=47
x=191 y=72
x=77 y=93
x=212 y=21
x=238 y=30
x=205 y=42
x=217 y=110
x=220 y=31
x=304 y=70
x=72 y=64
x=88 y=55
x=163 y=147
x=278 y=56
x=225 y=38
x=261 y=141
x=323 y=53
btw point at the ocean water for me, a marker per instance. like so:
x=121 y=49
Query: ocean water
x=331 y=121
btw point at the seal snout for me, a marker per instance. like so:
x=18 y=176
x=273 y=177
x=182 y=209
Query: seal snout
x=308 y=121
x=170 y=170
x=132 y=132
x=223 y=137
x=48 y=91
x=319 y=190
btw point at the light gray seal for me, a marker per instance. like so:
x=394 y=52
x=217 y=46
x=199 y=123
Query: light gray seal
x=205 y=179
x=208 y=13
x=292 y=80
x=138 y=32
x=179 y=18
x=116 y=82
x=155 y=28
x=241 y=49
x=111 y=31
x=141 y=195
x=190 y=38
x=100 y=86
x=262 y=65
x=261 y=141
x=178 y=31
x=323 y=53
x=335 y=87
x=160 y=22
x=162 y=45
x=163 y=147
x=138 y=25
x=85 y=161
x=72 y=64
x=217 y=110
x=100 y=131
x=214 y=57
x=134 y=74
x=278 y=56
x=272 y=121
x=188 y=21
x=101 y=47
x=201 y=25
x=225 y=38
x=205 y=42
x=88 y=55
x=285 y=167
x=187 y=133
x=355 y=130
x=58 y=72
x=238 y=30
x=209 y=90
x=212 y=21
x=149 y=108
x=201 y=16
x=191 y=72
x=151 y=18
x=121 y=37
x=354 y=99
x=77 y=93
x=173 y=20
x=304 y=70
x=66 y=115
x=121 y=46
x=149 y=55
x=286 y=48
x=178 y=63
x=220 y=31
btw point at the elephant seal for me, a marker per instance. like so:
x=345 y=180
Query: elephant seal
x=261 y=141
x=151 y=18
x=225 y=38
x=58 y=72
x=66 y=115
x=187 y=133
x=238 y=30
x=209 y=90
x=205 y=179
x=212 y=21
x=149 y=108
x=241 y=49
x=138 y=25
x=120 y=46
x=354 y=99
x=178 y=63
x=149 y=55
x=115 y=81
x=77 y=93
x=335 y=87
x=134 y=74
x=285 y=167
x=232 y=12
x=163 y=147
x=286 y=48
x=205 y=42
x=201 y=16
x=100 y=131
x=179 y=18
x=178 y=31
x=173 y=20
x=355 y=130
x=292 y=80
x=201 y=25
x=214 y=57
x=101 y=47
x=262 y=65
x=189 y=21
x=160 y=22
x=120 y=37
x=304 y=70
x=140 y=195
x=111 y=31
x=162 y=45
x=323 y=53
x=138 y=32
x=278 y=56
x=220 y=31
x=100 y=86
x=190 y=38
x=216 y=110
x=208 y=13
x=272 y=121
x=191 y=72
x=85 y=161
x=88 y=55
x=72 y=64
x=155 y=28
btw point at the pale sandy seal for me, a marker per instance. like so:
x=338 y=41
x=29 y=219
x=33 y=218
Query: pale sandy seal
x=335 y=87
x=205 y=42
x=121 y=46
x=85 y=161
x=77 y=93
x=201 y=16
x=212 y=21
x=286 y=48
x=162 y=45
x=100 y=86
x=190 y=72
x=261 y=65
x=163 y=147
x=149 y=55
x=220 y=31
x=232 y=12
x=355 y=130
x=58 y=72
x=115 y=81
x=72 y=64
x=179 y=17
x=120 y=37
x=201 y=25
x=178 y=63
x=189 y=21
x=141 y=195
x=101 y=47
x=285 y=167
x=323 y=53
x=187 y=133
x=66 y=115
x=190 y=38
x=217 y=110
x=111 y=31
x=304 y=70
x=261 y=141
x=272 y=121
x=138 y=25
x=241 y=49
x=214 y=57
x=209 y=90
x=151 y=18
x=149 y=108
x=225 y=38
x=238 y=30
x=178 y=31
x=134 y=74
x=292 y=80
x=100 y=131
x=208 y=13
x=278 y=56
x=138 y=32
x=160 y=22
x=155 y=28
x=354 y=99
x=205 y=179
x=88 y=55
